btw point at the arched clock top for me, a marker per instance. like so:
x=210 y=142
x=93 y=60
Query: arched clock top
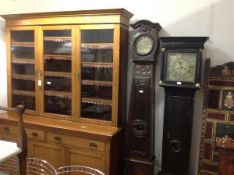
x=144 y=41
x=146 y=25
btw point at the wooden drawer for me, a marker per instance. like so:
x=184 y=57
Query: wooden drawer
x=8 y=130
x=76 y=141
x=35 y=134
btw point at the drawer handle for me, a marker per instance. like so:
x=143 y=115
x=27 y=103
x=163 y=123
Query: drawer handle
x=34 y=134
x=57 y=139
x=93 y=146
x=7 y=129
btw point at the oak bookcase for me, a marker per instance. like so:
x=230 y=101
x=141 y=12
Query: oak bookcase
x=70 y=71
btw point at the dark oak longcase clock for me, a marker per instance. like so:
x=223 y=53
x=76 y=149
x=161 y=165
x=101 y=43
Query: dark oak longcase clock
x=180 y=77
x=139 y=138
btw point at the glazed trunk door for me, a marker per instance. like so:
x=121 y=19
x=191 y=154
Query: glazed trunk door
x=57 y=72
x=23 y=66
x=98 y=71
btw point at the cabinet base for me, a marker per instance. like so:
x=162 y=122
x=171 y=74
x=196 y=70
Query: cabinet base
x=139 y=167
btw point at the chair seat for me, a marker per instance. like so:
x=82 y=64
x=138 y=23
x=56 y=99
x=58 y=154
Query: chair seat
x=8 y=149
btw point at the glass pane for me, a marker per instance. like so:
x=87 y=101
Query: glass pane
x=91 y=73
x=28 y=101
x=57 y=65
x=57 y=83
x=98 y=55
x=58 y=105
x=22 y=53
x=62 y=48
x=23 y=35
x=96 y=91
x=57 y=42
x=23 y=68
x=23 y=85
x=26 y=69
x=57 y=71
x=93 y=111
x=96 y=73
x=97 y=36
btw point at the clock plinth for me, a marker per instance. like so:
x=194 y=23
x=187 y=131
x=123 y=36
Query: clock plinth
x=139 y=137
x=180 y=78
x=139 y=167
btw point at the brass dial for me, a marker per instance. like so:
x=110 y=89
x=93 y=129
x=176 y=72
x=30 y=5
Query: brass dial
x=144 y=45
x=181 y=67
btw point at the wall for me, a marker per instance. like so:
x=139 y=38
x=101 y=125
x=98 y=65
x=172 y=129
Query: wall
x=213 y=18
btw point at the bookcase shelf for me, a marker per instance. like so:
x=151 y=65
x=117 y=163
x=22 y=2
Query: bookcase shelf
x=97 y=101
x=22 y=61
x=58 y=94
x=23 y=77
x=97 y=65
x=58 y=74
x=57 y=57
x=97 y=45
x=22 y=44
x=57 y=39
x=22 y=92
x=97 y=83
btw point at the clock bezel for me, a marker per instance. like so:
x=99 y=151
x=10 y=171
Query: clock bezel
x=149 y=57
x=179 y=83
x=139 y=35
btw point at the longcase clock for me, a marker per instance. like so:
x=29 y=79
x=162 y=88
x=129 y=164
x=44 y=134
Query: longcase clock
x=139 y=140
x=180 y=77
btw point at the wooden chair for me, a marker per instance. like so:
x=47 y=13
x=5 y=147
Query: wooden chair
x=78 y=170
x=9 y=149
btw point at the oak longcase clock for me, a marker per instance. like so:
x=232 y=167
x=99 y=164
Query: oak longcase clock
x=180 y=77
x=139 y=140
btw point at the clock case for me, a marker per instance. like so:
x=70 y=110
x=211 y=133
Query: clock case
x=182 y=45
x=179 y=107
x=139 y=132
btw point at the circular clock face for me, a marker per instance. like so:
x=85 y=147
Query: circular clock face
x=144 y=45
x=181 y=67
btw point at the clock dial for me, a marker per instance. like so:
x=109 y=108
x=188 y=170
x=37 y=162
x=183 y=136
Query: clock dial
x=181 y=67
x=144 y=45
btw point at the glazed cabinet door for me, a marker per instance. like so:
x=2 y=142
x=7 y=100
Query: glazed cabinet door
x=23 y=67
x=57 y=66
x=98 y=69
x=66 y=72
